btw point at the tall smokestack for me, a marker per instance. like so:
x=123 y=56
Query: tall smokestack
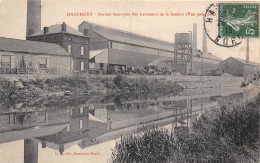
x=33 y=17
x=204 y=43
x=194 y=41
x=247 y=50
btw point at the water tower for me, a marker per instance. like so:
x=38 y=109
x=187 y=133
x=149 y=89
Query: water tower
x=182 y=47
x=182 y=53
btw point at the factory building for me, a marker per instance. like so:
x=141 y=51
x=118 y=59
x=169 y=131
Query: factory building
x=238 y=67
x=116 y=50
x=103 y=49
x=199 y=65
x=112 y=50
x=189 y=60
x=74 y=42
x=31 y=57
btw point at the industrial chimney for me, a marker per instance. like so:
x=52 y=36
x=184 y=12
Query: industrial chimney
x=63 y=27
x=33 y=17
x=194 y=41
x=204 y=43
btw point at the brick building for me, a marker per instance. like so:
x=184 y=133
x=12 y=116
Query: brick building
x=74 y=42
x=31 y=57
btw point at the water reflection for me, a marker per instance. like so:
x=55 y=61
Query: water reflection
x=81 y=129
x=84 y=125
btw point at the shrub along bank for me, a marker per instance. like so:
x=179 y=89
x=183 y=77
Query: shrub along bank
x=226 y=134
x=79 y=86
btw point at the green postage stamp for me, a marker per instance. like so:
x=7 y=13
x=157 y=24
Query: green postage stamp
x=238 y=19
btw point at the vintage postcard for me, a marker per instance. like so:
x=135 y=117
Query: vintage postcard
x=84 y=81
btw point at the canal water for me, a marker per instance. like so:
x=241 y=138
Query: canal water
x=86 y=131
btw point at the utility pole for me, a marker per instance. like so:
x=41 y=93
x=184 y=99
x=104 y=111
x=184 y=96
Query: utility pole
x=190 y=52
x=247 y=50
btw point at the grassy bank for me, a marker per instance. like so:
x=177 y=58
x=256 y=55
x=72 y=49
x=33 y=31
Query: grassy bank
x=83 y=88
x=226 y=134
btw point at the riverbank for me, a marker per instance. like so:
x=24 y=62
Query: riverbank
x=49 y=91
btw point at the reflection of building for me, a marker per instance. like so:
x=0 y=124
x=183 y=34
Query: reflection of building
x=70 y=39
x=113 y=49
x=99 y=111
x=20 y=56
x=26 y=125
x=30 y=151
x=81 y=129
x=238 y=67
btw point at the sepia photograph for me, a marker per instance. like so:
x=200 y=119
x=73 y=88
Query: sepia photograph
x=112 y=81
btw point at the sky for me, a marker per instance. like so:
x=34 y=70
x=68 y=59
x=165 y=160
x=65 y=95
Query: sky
x=13 y=20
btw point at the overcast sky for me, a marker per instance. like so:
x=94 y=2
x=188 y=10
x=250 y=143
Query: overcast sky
x=13 y=20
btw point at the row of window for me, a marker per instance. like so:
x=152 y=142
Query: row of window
x=58 y=38
x=5 y=62
x=82 y=41
x=80 y=125
x=81 y=49
x=80 y=121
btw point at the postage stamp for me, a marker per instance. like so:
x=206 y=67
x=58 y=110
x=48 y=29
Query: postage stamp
x=212 y=26
x=238 y=19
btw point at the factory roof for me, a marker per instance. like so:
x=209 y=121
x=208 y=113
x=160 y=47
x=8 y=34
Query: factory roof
x=244 y=61
x=130 y=38
x=210 y=56
x=34 y=47
x=57 y=28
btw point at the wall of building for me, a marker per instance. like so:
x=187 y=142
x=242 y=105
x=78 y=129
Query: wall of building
x=231 y=66
x=65 y=39
x=124 y=53
x=202 y=65
x=80 y=65
x=199 y=82
x=179 y=67
x=248 y=69
x=199 y=65
x=56 y=38
x=129 y=58
x=76 y=43
x=96 y=41
x=102 y=57
x=55 y=63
